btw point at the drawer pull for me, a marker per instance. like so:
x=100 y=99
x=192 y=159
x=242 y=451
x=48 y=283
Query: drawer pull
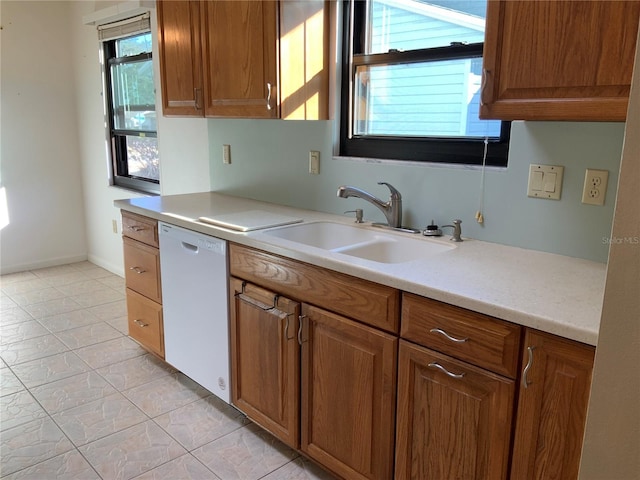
x=140 y=323
x=445 y=371
x=525 y=382
x=447 y=336
x=135 y=228
x=138 y=270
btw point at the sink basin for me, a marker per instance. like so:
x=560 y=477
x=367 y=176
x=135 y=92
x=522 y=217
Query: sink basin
x=367 y=243
x=325 y=235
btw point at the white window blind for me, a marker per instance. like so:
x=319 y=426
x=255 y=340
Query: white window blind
x=124 y=28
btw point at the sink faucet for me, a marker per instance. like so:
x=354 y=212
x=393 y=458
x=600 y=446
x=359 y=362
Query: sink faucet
x=392 y=209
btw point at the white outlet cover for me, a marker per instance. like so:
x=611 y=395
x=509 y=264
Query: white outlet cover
x=595 y=186
x=545 y=181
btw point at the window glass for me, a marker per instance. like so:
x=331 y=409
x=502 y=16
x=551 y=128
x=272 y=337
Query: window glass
x=412 y=81
x=133 y=96
x=129 y=46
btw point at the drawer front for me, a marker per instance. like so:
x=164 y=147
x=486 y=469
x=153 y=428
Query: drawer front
x=368 y=302
x=143 y=229
x=142 y=269
x=145 y=322
x=478 y=339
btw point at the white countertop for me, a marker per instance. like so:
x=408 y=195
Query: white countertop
x=553 y=293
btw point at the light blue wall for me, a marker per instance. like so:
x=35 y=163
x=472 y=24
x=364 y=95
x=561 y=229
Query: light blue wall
x=270 y=163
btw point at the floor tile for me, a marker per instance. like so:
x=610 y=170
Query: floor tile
x=31 y=349
x=98 y=297
x=52 y=307
x=50 y=369
x=185 y=467
x=135 y=371
x=6 y=303
x=88 y=335
x=24 y=286
x=18 y=332
x=165 y=394
x=113 y=281
x=131 y=452
x=73 y=391
x=201 y=422
x=96 y=272
x=97 y=419
x=248 y=453
x=84 y=286
x=68 y=320
x=54 y=271
x=9 y=383
x=109 y=311
x=31 y=443
x=65 y=278
x=121 y=324
x=111 y=351
x=19 y=408
x=13 y=315
x=300 y=469
x=16 y=277
x=37 y=296
x=68 y=466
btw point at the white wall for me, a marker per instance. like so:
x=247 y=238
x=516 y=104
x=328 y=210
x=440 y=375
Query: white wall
x=39 y=157
x=612 y=437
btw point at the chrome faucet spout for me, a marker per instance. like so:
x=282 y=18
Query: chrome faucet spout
x=391 y=209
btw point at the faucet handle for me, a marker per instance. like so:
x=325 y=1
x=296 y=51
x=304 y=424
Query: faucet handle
x=394 y=192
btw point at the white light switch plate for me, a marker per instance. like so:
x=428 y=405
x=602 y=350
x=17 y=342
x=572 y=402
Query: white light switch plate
x=545 y=181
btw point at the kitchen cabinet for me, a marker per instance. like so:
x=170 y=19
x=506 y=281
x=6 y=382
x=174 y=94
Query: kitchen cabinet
x=558 y=60
x=552 y=407
x=244 y=59
x=142 y=280
x=455 y=412
x=348 y=360
x=265 y=366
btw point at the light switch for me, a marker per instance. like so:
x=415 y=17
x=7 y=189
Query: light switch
x=545 y=181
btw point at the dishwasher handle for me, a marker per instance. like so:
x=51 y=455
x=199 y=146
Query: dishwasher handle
x=189 y=247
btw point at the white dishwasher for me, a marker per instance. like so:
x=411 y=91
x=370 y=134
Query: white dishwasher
x=194 y=275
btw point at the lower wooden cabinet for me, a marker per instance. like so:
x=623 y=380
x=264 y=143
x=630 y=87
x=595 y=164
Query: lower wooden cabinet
x=454 y=419
x=265 y=366
x=145 y=322
x=552 y=407
x=348 y=395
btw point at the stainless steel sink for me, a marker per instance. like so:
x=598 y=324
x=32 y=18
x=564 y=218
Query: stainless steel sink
x=369 y=243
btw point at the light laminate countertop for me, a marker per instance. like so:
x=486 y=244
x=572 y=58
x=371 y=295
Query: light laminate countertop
x=553 y=293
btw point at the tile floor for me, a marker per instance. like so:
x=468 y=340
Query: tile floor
x=81 y=400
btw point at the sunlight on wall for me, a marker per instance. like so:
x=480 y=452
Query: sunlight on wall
x=4 y=209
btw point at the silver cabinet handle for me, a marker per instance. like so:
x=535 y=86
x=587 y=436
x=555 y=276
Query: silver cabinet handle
x=197 y=94
x=268 y=95
x=447 y=336
x=140 y=323
x=445 y=371
x=135 y=228
x=286 y=329
x=525 y=382
x=483 y=86
x=300 y=319
x=138 y=270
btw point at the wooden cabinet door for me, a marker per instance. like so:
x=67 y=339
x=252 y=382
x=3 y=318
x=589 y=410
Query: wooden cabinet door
x=145 y=322
x=180 y=58
x=552 y=407
x=558 y=60
x=450 y=427
x=265 y=359
x=348 y=395
x=240 y=58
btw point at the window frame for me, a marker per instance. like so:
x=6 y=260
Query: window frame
x=118 y=137
x=451 y=150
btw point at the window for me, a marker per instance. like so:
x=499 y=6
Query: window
x=131 y=111
x=411 y=83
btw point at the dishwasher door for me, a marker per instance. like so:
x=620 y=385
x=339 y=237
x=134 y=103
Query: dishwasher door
x=194 y=276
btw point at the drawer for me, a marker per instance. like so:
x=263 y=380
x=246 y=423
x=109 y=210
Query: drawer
x=145 y=322
x=143 y=229
x=142 y=269
x=368 y=302
x=475 y=338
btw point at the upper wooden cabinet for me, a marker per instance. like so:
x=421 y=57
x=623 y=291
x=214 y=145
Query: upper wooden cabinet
x=244 y=59
x=558 y=60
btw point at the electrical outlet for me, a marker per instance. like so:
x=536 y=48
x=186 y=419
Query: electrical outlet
x=595 y=186
x=226 y=154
